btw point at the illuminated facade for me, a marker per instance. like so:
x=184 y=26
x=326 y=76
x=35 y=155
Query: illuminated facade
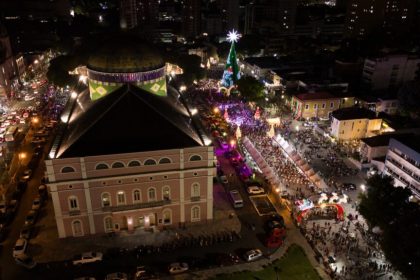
x=132 y=158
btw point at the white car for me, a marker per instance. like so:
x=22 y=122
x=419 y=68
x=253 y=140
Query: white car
x=252 y=255
x=255 y=190
x=20 y=247
x=117 y=276
x=175 y=268
x=88 y=257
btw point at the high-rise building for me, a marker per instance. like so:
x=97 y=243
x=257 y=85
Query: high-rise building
x=230 y=11
x=387 y=71
x=191 y=18
x=270 y=17
x=366 y=16
x=142 y=13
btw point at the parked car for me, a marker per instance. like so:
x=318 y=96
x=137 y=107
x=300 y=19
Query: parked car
x=25 y=261
x=27 y=174
x=255 y=190
x=42 y=190
x=31 y=217
x=3 y=206
x=36 y=203
x=272 y=224
x=20 y=247
x=26 y=232
x=175 y=268
x=224 y=179
x=12 y=207
x=87 y=257
x=117 y=276
x=252 y=255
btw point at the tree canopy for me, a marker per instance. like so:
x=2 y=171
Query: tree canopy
x=250 y=88
x=389 y=208
x=58 y=72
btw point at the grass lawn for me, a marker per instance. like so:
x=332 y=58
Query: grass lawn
x=292 y=266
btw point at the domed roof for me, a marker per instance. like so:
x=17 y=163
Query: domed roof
x=124 y=56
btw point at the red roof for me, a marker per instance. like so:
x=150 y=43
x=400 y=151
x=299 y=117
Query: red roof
x=315 y=96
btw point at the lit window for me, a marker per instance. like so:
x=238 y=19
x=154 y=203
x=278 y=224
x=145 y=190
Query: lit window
x=166 y=193
x=106 y=200
x=167 y=216
x=121 y=198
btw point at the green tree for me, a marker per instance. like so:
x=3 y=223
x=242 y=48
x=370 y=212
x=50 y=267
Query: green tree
x=251 y=89
x=389 y=208
x=58 y=72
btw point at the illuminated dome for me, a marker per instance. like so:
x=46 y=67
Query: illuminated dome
x=122 y=61
x=118 y=58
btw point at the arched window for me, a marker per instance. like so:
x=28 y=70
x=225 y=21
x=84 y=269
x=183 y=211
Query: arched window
x=150 y=162
x=136 y=196
x=195 y=213
x=101 y=166
x=151 y=194
x=134 y=163
x=106 y=199
x=117 y=165
x=77 y=228
x=195 y=158
x=73 y=203
x=121 y=198
x=108 y=226
x=166 y=193
x=67 y=169
x=167 y=216
x=195 y=190
x=164 y=160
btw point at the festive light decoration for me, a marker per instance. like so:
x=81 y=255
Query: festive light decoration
x=257 y=114
x=231 y=73
x=226 y=115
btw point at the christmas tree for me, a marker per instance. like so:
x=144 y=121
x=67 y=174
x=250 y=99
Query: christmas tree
x=231 y=73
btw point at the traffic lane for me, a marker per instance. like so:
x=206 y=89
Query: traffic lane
x=10 y=269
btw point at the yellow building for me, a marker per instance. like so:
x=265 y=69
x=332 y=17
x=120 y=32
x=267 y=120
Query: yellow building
x=354 y=123
x=314 y=105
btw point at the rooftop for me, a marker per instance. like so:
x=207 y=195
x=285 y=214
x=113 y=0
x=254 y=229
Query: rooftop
x=125 y=55
x=315 y=96
x=410 y=140
x=127 y=120
x=353 y=113
x=383 y=139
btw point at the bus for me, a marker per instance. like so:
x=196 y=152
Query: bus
x=236 y=199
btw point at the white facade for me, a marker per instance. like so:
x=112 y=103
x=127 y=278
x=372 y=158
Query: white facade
x=391 y=70
x=389 y=106
x=403 y=164
x=354 y=129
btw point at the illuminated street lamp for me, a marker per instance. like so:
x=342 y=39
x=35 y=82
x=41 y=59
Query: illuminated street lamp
x=35 y=120
x=297 y=128
x=216 y=110
x=363 y=187
x=232 y=143
x=22 y=156
x=73 y=95
x=182 y=88
x=83 y=79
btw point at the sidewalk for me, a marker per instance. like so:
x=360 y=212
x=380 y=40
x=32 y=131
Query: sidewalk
x=293 y=237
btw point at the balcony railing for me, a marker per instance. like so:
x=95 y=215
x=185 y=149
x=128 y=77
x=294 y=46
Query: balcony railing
x=135 y=206
x=195 y=198
x=74 y=212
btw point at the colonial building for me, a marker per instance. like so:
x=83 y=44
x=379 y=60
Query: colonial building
x=354 y=123
x=314 y=105
x=129 y=155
